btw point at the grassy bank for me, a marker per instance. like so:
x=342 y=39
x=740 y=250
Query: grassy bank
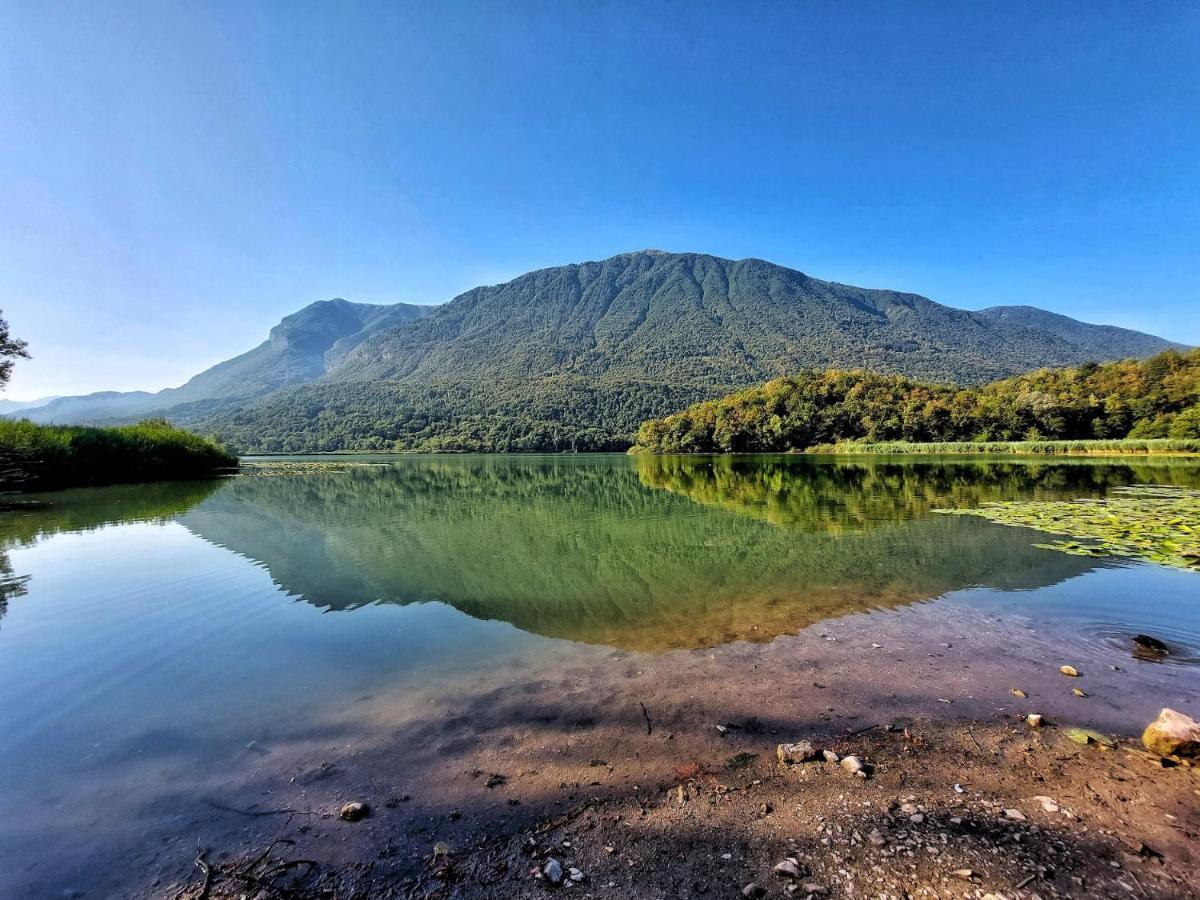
x=48 y=457
x=1120 y=446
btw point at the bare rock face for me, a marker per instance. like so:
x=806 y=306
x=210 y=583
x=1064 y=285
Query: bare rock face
x=1173 y=734
x=799 y=752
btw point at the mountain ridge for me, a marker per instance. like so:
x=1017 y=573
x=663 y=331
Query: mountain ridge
x=575 y=357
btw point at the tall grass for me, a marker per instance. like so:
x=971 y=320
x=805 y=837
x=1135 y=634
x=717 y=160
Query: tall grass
x=1147 y=446
x=47 y=457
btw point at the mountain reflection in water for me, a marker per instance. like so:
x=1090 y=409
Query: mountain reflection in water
x=648 y=553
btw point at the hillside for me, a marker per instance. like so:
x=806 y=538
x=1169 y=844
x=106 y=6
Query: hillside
x=1155 y=398
x=302 y=347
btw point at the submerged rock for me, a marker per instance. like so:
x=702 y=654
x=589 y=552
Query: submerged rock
x=1173 y=734
x=1147 y=647
x=354 y=811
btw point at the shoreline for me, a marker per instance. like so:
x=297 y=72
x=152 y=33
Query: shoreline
x=622 y=750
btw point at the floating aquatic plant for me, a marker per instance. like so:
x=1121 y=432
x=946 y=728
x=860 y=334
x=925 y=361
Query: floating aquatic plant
x=284 y=467
x=1154 y=523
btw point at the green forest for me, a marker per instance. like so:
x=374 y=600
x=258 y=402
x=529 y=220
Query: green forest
x=1154 y=398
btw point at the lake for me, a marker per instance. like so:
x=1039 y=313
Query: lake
x=175 y=657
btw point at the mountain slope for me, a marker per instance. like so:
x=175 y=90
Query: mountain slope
x=575 y=357
x=1105 y=341
x=302 y=347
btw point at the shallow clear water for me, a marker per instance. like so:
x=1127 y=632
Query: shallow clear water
x=151 y=633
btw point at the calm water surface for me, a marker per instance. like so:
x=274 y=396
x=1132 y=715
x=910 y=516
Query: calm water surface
x=150 y=633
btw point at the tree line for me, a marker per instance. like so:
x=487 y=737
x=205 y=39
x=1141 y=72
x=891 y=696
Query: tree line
x=1154 y=398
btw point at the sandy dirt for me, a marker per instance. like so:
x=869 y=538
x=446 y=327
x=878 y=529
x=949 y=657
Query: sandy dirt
x=656 y=776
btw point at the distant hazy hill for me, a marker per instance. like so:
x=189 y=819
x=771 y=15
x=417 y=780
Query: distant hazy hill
x=1105 y=341
x=299 y=349
x=11 y=406
x=577 y=356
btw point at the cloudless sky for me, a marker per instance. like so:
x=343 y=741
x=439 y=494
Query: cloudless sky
x=177 y=176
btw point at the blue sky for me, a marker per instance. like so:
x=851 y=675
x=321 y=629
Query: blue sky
x=175 y=177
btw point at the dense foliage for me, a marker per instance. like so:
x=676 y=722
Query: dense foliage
x=1154 y=398
x=41 y=457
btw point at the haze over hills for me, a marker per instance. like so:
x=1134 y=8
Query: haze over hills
x=299 y=349
x=576 y=356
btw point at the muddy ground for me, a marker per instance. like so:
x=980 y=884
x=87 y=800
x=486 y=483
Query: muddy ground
x=655 y=776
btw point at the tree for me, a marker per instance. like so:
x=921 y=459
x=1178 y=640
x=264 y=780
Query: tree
x=11 y=349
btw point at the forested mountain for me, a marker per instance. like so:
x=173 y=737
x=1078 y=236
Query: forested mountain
x=302 y=347
x=1155 y=398
x=576 y=357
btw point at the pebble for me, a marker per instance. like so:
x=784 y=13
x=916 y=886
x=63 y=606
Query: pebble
x=1015 y=814
x=830 y=756
x=754 y=891
x=789 y=868
x=553 y=871
x=798 y=752
x=854 y=766
x=1033 y=720
x=1049 y=804
x=575 y=874
x=962 y=873
x=1069 y=671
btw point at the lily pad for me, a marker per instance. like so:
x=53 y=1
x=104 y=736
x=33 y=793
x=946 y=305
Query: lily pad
x=1153 y=523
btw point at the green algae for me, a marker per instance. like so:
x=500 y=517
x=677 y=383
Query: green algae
x=1158 y=524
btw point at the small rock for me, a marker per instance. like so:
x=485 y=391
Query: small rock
x=354 y=811
x=962 y=873
x=754 y=891
x=726 y=856
x=958 y=788
x=830 y=756
x=1033 y=720
x=799 y=752
x=876 y=838
x=789 y=868
x=909 y=808
x=1069 y=671
x=1173 y=734
x=852 y=764
x=575 y=874
x=812 y=887
x=917 y=818
x=1017 y=692
x=1015 y=814
x=1049 y=804
x=1078 y=693
x=553 y=871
